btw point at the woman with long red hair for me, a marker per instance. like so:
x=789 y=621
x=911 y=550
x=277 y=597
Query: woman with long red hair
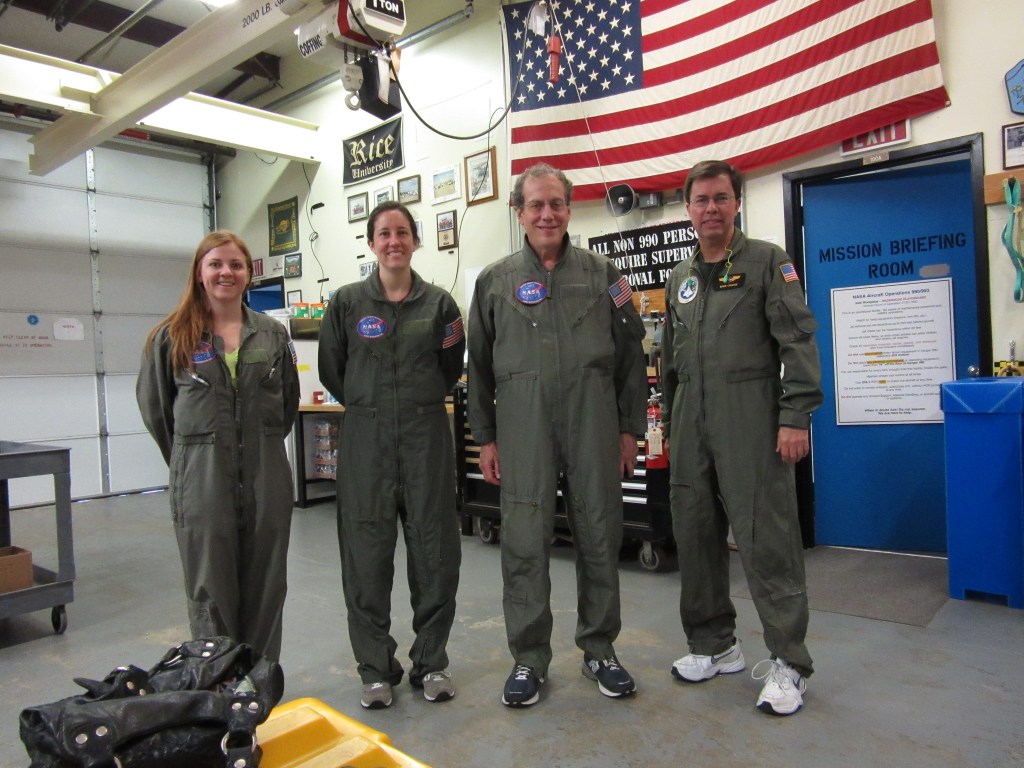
x=218 y=391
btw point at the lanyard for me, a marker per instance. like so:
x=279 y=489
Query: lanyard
x=1013 y=234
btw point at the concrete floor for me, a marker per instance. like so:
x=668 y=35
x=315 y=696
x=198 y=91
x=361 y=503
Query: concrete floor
x=948 y=694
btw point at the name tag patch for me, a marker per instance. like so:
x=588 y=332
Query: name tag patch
x=725 y=282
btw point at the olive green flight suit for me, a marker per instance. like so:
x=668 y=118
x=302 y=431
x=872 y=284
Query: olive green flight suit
x=230 y=480
x=556 y=372
x=391 y=366
x=724 y=345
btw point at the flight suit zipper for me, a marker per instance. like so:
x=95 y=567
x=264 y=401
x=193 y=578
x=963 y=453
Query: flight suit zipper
x=239 y=440
x=396 y=312
x=702 y=299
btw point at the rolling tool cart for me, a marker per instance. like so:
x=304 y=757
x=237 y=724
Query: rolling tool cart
x=43 y=588
x=646 y=517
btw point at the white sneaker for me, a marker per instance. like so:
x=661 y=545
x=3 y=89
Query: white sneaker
x=695 y=668
x=783 y=689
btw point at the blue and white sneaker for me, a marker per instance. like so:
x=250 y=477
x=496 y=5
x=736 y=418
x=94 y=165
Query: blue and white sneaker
x=522 y=689
x=612 y=678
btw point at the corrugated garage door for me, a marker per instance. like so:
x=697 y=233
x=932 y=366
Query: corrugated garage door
x=92 y=256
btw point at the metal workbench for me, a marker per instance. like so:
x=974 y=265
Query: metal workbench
x=50 y=589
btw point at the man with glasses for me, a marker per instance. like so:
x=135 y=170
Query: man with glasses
x=557 y=385
x=741 y=377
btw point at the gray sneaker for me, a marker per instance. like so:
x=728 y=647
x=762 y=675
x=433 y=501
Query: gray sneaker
x=376 y=696
x=437 y=686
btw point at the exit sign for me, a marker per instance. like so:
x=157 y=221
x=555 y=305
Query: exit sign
x=886 y=136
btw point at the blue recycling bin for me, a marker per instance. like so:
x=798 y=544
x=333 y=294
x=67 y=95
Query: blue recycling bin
x=984 y=436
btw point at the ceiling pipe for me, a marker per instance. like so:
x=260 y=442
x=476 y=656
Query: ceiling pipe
x=117 y=32
x=437 y=27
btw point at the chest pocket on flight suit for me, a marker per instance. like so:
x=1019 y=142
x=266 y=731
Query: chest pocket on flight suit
x=271 y=395
x=195 y=404
x=419 y=342
x=589 y=316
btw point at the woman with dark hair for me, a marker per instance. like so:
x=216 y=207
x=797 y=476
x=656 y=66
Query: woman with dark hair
x=218 y=391
x=391 y=348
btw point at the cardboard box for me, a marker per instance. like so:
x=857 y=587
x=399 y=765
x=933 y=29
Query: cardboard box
x=15 y=569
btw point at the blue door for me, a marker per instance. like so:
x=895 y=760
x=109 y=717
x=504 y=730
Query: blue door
x=882 y=486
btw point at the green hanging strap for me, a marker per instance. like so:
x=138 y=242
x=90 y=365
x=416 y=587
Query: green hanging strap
x=1013 y=234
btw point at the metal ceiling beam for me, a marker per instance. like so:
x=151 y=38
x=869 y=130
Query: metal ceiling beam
x=214 y=44
x=68 y=88
x=104 y=17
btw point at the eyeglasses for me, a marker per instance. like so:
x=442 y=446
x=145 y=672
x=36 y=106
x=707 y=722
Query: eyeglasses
x=703 y=201
x=536 y=206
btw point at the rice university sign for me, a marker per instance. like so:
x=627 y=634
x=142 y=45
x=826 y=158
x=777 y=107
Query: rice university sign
x=374 y=153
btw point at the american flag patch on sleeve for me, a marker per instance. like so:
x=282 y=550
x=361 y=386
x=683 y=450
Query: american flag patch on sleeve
x=452 y=333
x=295 y=357
x=620 y=292
x=788 y=272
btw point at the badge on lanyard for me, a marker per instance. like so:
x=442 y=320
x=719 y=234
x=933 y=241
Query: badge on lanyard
x=531 y=292
x=688 y=290
x=725 y=282
x=204 y=353
x=371 y=327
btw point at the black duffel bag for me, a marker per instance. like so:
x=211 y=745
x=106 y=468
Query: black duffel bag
x=197 y=708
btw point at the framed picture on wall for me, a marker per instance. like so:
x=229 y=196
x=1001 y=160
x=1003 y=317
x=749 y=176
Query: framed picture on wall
x=447 y=235
x=294 y=297
x=293 y=265
x=357 y=207
x=1013 y=146
x=445 y=184
x=481 y=177
x=409 y=189
x=382 y=195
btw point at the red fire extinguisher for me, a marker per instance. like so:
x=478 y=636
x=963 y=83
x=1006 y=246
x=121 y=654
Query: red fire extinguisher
x=657 y=451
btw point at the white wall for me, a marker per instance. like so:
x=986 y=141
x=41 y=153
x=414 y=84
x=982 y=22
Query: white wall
x=455 y=82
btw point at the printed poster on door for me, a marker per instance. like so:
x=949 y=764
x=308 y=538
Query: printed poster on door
x=893 y=347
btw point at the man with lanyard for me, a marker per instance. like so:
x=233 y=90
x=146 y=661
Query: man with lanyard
x=557 y=383
x=741 y=377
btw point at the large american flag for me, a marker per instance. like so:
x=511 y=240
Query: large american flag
x=648 y=88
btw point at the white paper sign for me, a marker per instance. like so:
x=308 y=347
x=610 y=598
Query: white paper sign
x=893 y=346
x=68 y=329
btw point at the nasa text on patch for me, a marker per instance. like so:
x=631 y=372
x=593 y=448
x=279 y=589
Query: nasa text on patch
x=371 y=327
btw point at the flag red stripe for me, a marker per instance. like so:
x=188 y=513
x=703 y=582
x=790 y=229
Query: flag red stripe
x=784 y=150
x=815 y=98
x=835 y=46
x=730 y=14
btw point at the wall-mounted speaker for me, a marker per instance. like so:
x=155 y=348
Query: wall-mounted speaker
x=620 y=200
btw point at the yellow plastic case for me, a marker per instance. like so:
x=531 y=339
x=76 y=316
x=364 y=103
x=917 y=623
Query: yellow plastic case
x=306 y=733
